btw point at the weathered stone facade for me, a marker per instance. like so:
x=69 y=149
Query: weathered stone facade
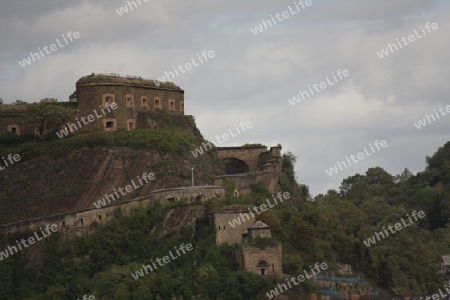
x=79 y=222
x=131 y=96
x=243 y=182
x=13 y=119
x=263 y=165
x=225 y=233
x=257 y=158
x=267 y=261
x=94 y=98
x=262 y=261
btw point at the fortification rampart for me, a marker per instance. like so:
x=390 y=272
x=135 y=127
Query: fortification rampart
x=130 y=101
x=260 y=164
x=243 y=182
x=250 y=155
x=79 y=222
x=93 y=99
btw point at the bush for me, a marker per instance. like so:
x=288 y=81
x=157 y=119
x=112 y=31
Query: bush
x=263 y=243
x=167 y=141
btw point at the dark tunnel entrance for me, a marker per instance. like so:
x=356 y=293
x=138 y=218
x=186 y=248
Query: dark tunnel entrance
x=235 y=166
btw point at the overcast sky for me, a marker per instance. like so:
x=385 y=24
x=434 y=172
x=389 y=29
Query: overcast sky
x=252 y=76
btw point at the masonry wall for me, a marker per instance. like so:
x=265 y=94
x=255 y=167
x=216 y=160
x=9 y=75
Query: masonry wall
x=90 y=98
x=77 y=223
x=249 y=257
x=14 y=115
x=250 y=155
x=226 y=233
x=189 y=194
x=272 y=160
x=243 y=182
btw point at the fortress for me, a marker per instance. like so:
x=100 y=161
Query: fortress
x=137 y=102
x=132 y=96
x=140 y=103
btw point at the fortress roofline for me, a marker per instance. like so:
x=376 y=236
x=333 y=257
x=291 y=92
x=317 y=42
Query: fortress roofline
x=116 y=79
x=10 y=108
x=243 y=147
x=259 y=225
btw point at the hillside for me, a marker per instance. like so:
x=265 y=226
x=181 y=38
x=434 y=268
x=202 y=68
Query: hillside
x=336 y=228
x=62 y=175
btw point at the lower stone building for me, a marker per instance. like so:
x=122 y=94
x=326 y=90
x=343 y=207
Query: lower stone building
x=262 y=261
x=445 y=268
x=256 y=250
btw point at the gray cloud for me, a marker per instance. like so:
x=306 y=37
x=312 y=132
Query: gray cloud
x=253 y=76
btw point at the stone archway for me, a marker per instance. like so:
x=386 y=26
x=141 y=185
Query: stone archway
x=250 y=155
x=263 y=267
x=235 y=166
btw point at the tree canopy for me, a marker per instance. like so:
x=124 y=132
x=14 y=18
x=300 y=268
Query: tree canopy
x=49 y=115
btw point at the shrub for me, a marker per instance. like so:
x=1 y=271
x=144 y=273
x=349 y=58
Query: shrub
x=263 y=243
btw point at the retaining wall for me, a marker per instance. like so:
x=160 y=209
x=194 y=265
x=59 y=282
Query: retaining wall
x=79 y=222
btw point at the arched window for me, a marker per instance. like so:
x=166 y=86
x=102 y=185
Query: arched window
x=263 y=263
x=262 y=266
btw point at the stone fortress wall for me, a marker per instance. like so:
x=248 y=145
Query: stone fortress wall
x=262 y=164
x=12 y=118
x=79 y=222
x=94 y=93
x=243 y=182
x=267 y=261
x=250 y=257
x=134 y=98
x=225 y=233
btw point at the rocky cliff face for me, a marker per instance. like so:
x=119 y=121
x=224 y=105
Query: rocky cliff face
x=43 y=186
x=47 y=184
x=182 y=217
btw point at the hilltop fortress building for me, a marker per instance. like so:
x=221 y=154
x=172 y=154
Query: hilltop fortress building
x=132 y=95
x=133 y=102
x=128 y=103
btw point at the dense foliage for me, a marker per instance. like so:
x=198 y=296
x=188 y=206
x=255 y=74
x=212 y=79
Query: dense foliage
x=101 y=264
x=331 y=228
x=166 y=141
x=407 y=260
x=49 y=115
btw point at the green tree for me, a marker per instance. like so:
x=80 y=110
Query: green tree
x=405 y=175
x=378 y=176
x=302 y=235
x=288 y=163
x=348 y=183
x=48 y=115
x=209 y=280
